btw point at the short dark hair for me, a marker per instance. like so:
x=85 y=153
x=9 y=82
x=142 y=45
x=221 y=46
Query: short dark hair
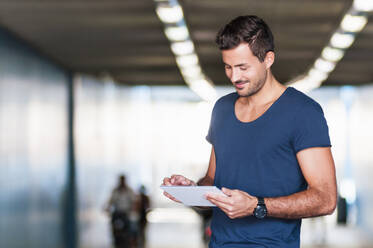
x=249 y=29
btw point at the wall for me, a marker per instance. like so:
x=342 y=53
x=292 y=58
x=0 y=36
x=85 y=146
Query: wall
x=33 y=146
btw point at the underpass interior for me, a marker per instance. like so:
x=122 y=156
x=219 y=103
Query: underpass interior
x=67 y=131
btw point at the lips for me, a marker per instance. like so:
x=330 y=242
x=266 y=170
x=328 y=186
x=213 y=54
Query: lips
x=240 y=85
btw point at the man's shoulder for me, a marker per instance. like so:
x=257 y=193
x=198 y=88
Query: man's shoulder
x=224 y=103
x=302 y=101
x=226 y=99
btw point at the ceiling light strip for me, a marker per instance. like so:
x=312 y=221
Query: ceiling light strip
x=176 y=31
x=352 y=23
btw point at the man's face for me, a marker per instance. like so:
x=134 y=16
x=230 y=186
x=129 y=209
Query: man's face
x=244 y=70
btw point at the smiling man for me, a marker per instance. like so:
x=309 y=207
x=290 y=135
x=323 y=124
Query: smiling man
x=270 y=149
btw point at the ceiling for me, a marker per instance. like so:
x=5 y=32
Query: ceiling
x=125 y=38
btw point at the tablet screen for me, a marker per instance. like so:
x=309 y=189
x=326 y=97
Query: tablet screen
x=192 y=195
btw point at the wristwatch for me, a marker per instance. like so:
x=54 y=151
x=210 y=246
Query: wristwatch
x=260 y=212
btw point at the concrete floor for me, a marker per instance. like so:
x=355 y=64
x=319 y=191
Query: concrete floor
x=180 y=228
x=174 y=235
x=316 y=233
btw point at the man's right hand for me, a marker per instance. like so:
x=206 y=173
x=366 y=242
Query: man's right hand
x=176 y=180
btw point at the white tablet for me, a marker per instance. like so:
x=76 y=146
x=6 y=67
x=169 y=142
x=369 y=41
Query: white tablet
x=192 y=195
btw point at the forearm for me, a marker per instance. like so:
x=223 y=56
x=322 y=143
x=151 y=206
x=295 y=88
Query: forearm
x=309 y=203
x=205 y=181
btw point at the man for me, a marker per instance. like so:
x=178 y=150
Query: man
x=270 y=149
x=143 y=205
x=120 y=206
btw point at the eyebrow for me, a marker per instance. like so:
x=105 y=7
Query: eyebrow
x=238 y=65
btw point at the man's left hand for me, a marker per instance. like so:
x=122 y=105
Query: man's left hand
x=235 y=204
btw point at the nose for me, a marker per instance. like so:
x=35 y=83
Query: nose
x=235 y=76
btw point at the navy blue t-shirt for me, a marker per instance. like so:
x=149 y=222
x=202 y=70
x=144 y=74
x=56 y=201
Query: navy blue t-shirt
x=259 y=157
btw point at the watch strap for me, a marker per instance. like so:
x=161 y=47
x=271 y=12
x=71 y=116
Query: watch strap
x=260 y=200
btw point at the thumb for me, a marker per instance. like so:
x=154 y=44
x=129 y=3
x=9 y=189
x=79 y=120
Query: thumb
x=226 y=191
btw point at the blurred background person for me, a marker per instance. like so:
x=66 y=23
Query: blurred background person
x=143 y=208
x=120 y=207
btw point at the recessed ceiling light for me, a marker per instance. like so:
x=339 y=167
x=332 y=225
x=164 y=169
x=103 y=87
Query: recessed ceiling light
x=176 y=33
x=187 y=60
x=332 y=54
x=182 y=48
x=191 y=71
x=204 y=88
x=343 y=41
x=317 y=75
x=353 y=23
x=170 y=14
x=324 y=65
x=363 y=5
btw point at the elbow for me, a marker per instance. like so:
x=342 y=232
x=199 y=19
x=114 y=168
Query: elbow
x=331 y=208
x=330 y=205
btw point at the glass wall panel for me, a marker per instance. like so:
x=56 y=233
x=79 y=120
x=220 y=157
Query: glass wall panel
x=33 y=147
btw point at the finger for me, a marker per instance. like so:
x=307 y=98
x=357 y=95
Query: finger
x=219 y=198
x=223 y=206
x=184 y=181
x=188 y=182
x=166 y=181
x=231 y=215
x=170 y=197
x=181 y=180
x=176 y=179
x=226 y=210
x=226 y=191
x=172 y=179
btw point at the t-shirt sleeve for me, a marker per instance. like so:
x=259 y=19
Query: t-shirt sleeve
x=211 y=132
x=209 y=136
x=311 y=129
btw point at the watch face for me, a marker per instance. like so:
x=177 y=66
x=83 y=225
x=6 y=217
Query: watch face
x=260 y=212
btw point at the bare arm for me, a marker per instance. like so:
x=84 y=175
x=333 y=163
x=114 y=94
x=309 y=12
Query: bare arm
x=319 y=199
x=208 y=179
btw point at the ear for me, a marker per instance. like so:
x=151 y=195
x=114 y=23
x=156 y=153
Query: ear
x=269 y=59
